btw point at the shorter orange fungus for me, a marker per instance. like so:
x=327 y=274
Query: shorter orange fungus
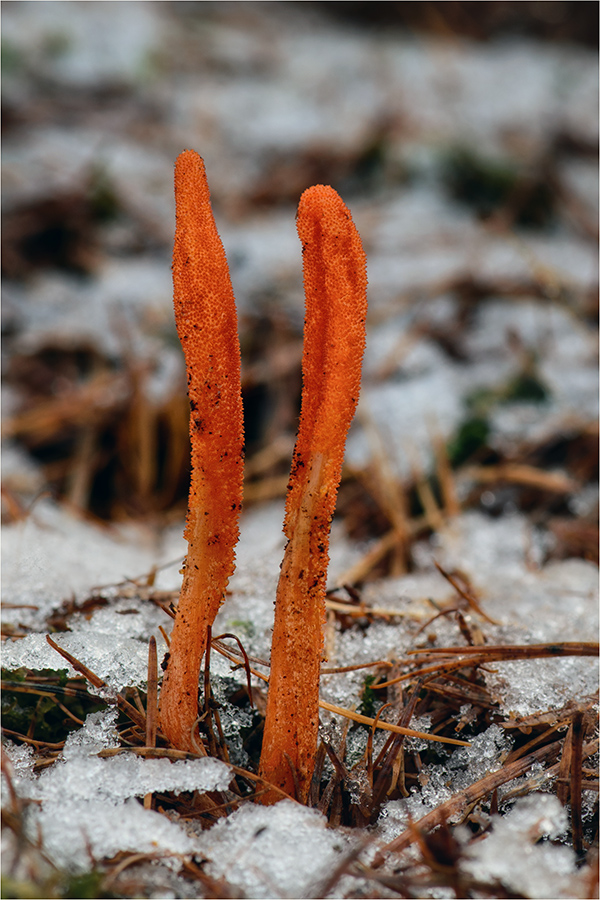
x=335 y=284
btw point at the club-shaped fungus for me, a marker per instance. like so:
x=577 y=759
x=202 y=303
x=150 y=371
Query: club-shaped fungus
x=335 y=285
x=206 y=321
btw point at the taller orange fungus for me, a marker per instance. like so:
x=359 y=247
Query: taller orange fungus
x=335 y=284
x=206 y=321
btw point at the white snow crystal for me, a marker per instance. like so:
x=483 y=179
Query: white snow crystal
x=120 y=663
x=106 y=829
x=278 y=851
x=91 y=799
x=54 y=554
x=517 y=854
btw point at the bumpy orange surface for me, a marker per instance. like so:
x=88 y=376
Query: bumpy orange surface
x=335 y=284
x=206 y=321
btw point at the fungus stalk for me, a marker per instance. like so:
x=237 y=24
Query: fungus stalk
x=206 y=322
x=335 y=284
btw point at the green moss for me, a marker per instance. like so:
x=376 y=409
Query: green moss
x=473 y=433
x=487 y=185
x=82 y=887
x=526 y=388
x=103 y=198
x=57 y=886
x=368 y=698
x=471 y=436
x=483 y=185
x=370 y=165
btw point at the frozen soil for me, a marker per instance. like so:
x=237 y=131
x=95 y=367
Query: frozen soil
x=482 y=339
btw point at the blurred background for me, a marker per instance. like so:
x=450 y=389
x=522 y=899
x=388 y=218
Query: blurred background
x=464 y=138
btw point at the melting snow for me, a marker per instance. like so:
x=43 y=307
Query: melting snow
x=519 y=853
x=91 y=799
x=252 y=849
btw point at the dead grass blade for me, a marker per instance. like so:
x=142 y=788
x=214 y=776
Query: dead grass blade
x=470 y=599
x=576 y=776
x=97 y=682
x=387 y=726
x=444 y=658
x=460 y=803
